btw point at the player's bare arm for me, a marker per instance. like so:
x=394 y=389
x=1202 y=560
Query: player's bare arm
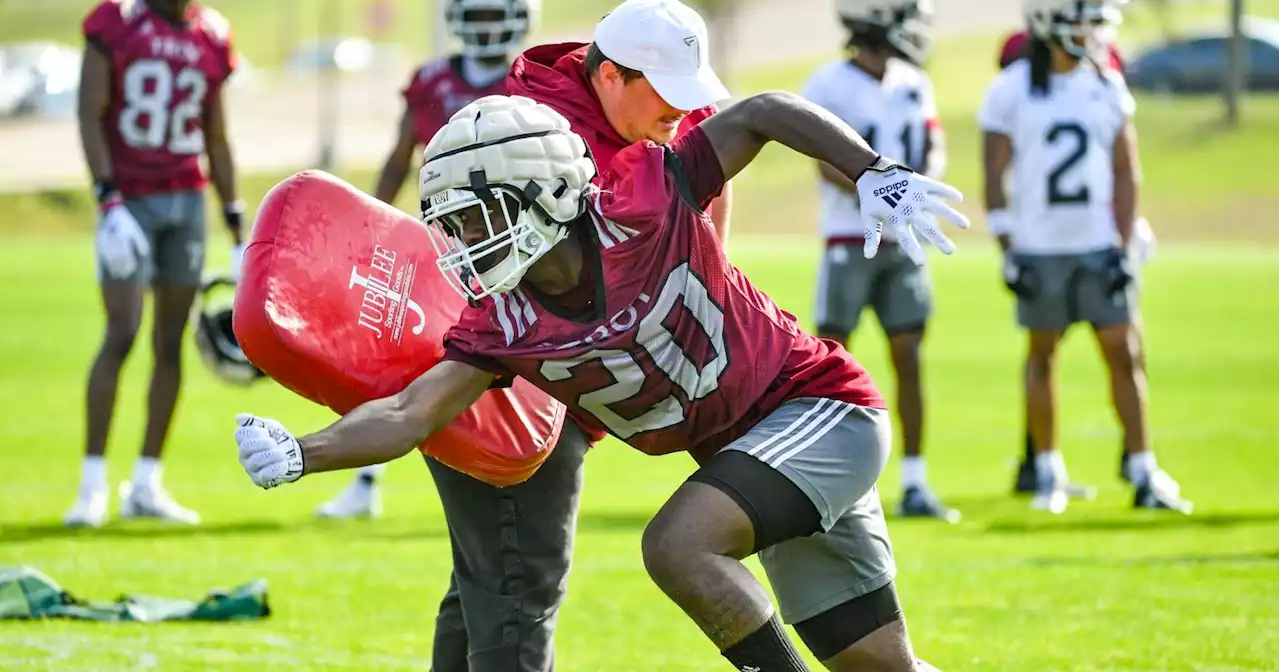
x=396 y=167
x=997 y=154
x=740 y=131
x=222 y=170
x=1127 y=176
x=94 y=101
x=833 y=175
x=387 y=428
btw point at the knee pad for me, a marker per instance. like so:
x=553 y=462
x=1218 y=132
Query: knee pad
x=843 y=625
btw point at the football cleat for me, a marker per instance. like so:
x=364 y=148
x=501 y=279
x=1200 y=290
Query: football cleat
x=919 y=502
x=153 y=501
x=357 y=500
x=89 y=510
x=1161 y=492
x=1025 y=484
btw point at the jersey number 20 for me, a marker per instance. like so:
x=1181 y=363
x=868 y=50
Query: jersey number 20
x=618 y=405
x=149 y=89
x=1074 y=135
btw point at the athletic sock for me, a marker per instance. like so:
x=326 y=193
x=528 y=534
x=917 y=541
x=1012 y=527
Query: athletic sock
x=93 y=473
x=1140 y=467
x=768 y=649
x=1050 y=465
x=913 y=473
x=146 y=472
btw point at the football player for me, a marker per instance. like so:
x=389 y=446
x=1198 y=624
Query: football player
x=1062 y=129
x=1016 y=47
x=151 y=104
x=627 y=310
x=881 y=90
x=490 y=32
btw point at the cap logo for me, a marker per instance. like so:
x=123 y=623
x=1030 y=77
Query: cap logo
x=692 y=41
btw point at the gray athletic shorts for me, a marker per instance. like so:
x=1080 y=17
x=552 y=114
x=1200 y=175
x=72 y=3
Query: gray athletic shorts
x=897 y=288
x=175 y=226
x=833 y=452
x=1071 y=288
x=512 y=548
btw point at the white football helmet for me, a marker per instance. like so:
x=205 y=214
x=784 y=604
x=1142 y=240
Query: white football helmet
x=508 y=155
x=506 y=27
x=902 y=26
x=1080 y=27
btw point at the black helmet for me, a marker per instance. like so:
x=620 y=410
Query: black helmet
x=215 y=337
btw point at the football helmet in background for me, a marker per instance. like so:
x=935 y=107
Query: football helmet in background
x=1081 y=27
x=491 y=27
x=902 y=28
x=214 y=336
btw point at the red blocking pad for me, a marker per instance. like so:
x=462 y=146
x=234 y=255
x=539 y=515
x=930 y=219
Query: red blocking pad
x=340 y=301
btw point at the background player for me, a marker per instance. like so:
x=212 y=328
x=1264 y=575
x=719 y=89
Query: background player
x=693 y=358
x=491 y=32
x=1017 y=47
x=150 y=103
x=881 y=90
x=1065 y=226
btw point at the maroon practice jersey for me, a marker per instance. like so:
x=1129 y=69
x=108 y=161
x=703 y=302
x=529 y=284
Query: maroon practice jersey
x=664 y=344
x=437 y=91
x=164 y=77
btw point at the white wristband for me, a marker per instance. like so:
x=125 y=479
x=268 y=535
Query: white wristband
x=999 y=222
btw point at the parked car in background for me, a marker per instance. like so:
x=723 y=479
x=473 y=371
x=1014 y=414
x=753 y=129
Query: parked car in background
x=1198 y=63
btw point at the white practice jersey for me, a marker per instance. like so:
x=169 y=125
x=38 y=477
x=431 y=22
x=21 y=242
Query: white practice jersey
x=898 y=117
x=1061 y=180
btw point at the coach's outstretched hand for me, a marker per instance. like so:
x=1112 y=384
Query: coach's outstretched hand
x=893 y=195
x=268 y=452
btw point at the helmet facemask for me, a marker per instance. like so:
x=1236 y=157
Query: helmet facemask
x=502 y=182
x=903 y=27
x=489 y=28
x=1082 y=28
x=510 y=232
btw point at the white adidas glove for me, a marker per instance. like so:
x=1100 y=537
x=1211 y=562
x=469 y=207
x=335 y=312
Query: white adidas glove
x=121 y=243
x=268 y=452
x=893 y=195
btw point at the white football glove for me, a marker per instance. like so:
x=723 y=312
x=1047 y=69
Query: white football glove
x=268 y=452
x=1142 y=246
x=894 y=195
x=237 y=260
x=121 y=243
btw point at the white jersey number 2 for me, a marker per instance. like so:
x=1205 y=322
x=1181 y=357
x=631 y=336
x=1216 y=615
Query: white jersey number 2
x=150 y=120
x=1074 y=136
x=682 y=291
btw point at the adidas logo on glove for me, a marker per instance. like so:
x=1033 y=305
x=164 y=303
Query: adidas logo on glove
x=892 y=193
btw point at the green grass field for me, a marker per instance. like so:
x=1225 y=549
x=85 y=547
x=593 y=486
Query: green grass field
x=1101 y=587
x=1098 y=588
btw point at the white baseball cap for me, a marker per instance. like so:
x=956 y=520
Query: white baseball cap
x=667 y=41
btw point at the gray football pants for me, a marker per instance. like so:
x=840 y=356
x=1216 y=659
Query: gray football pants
x=511 y=553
